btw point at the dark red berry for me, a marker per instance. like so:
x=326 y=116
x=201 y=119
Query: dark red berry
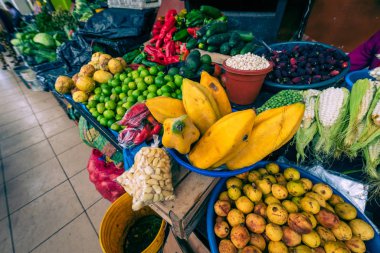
x=334 y=72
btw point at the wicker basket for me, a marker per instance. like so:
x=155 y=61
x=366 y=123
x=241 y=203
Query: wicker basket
x=134 y=4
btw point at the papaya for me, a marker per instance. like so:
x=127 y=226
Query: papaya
x=217 y=91
x=222 y=138
x=273 y=128
x=199 y=105
x=164 y=107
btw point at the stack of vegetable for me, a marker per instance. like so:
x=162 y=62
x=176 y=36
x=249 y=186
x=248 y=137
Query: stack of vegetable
x=38 y=47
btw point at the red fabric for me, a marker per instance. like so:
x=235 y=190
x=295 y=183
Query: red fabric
x=103 y=175
x=365 y=55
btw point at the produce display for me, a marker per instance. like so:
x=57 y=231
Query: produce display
x=266 y=210
x=306 y=64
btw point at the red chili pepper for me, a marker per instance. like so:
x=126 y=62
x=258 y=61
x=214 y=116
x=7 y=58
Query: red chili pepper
x=156 y=129
x=184 y=54
x=169 y=35
x=170 y=13
x=170 y=49
x=172 y=59
x=152 y=51
x=169 y=24
x=193 y=31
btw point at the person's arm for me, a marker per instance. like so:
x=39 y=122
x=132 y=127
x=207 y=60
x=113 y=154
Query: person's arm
x=362 y=56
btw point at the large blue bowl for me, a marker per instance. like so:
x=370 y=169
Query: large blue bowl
x=320 y=85
x=184 y=162
x=372 y=245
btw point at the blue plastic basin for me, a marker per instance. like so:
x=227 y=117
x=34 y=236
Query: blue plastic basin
x=352 y=77
x=372 y=245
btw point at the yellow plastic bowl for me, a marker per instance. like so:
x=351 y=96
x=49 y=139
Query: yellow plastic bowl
x=117 y=221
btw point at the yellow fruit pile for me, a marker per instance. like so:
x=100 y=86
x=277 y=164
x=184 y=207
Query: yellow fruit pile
x=237 y=139
x=267 y=211
x=100 y=69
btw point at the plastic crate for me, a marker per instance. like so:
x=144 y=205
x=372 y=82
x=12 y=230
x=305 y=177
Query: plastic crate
x=134 y=4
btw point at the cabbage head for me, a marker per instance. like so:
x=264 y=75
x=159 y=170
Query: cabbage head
x=44 y=39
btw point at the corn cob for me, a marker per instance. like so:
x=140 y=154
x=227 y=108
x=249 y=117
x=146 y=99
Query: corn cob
x=332 y=108
x=308 y=128
x=360 y=100
x=372 y=168
x=375 y=73
x=376 y=114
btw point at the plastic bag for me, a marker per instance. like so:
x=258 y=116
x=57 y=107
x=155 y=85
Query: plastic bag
x=150 y=178
x=103 y=174
x=74 y=53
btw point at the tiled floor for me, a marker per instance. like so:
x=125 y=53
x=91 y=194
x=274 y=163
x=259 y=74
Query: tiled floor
x=47 y=203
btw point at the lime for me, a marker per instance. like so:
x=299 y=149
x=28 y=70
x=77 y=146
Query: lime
x=98 y=90
x=135 y=74
x=122 y=95
x=132 y=85
x=171 y=85
x=120 y=103
x=159 y=81
x=166 y=88
x=110 y=105
x=110 y=122
x=141 y=86
x=173 y=95
x=144 y=73
x=148 y=79
x=118 y=90
x=140 y=68
x=138 y=80
x=120 y=111
x=92 y=104
x=118 y=117
x=115 y=82
x=129 y=75
x=128 y=105
x=140 y=98
x=127 y=80
x=116 y=76
x=179 y=96
x=92 y=110
x=114 y=97
x=116 y=127
x=128 y=70
x=113 y=91
x=168 y=78
x=110 y=81
x=122 y=76
x=159 y=92
x=129 y=93
x=99 y=118
x=124 y=99
x=109 y=114
x=125 y=88
x=131 y=99
x=106 y=91
x=152 y=88
x=166 y=94
x=106 y=99
x=151 y=95
x=173 y=71
x=103 y=121
x=178 y=91
x=161 y=73
x=96 y=97
x=95 y=114
x=104 y=85
x=178 y=80
x=136 y=93
x=153 y=70
x=100 y=108
x=101 y=98
x=145 y=92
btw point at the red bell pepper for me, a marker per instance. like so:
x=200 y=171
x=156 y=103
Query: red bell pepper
x=169 y=35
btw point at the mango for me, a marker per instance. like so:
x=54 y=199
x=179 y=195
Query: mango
x=301 y=249
x=261 y=209
x=275 y=247
x=335 y=199
x=307 y=184
x=272 y=168
x=234 y=181
x=323 y=189
x=239 y=236
x=255 y=223
x=250 y=249
x=356 y=245
x=258 y=241
x=280 y=178
x=277 y=214
x=311 y=218
x=295 y=188
x=270 y=199
x=253 y=176
x=221 y=229
x=309 y=205
x=335 y=247
x=300 y=223
x=311 y=239
x=362 y=229
x=234 y=192
x=325 y=234
x=317 y=197
x=273 y=232
x=226 y=246
x=235 y=217
x=252 y=192
x=290 y=237
x=342 y=232
x=290 y=206
x=327 y=218
x=291 y=174
x=279 y=191
x=244 y=204
x=222 y=207
x=345 y=211
x=264 y=185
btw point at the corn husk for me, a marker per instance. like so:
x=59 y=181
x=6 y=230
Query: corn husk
x=362 y=94
x=371 y=131
x=372 y=166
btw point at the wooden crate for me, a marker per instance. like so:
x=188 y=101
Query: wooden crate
x=191 y=191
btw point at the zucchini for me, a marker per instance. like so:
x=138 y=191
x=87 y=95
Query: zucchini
x=193 y=60
x=212 y=48
x=191 y=43
x=245 y=35
x=250 y=47
x=180 y=35
x=216 y=28
x=235 y=39
x=210 y=11
x=236 y=50
x=225 y=48
x=218 y=39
